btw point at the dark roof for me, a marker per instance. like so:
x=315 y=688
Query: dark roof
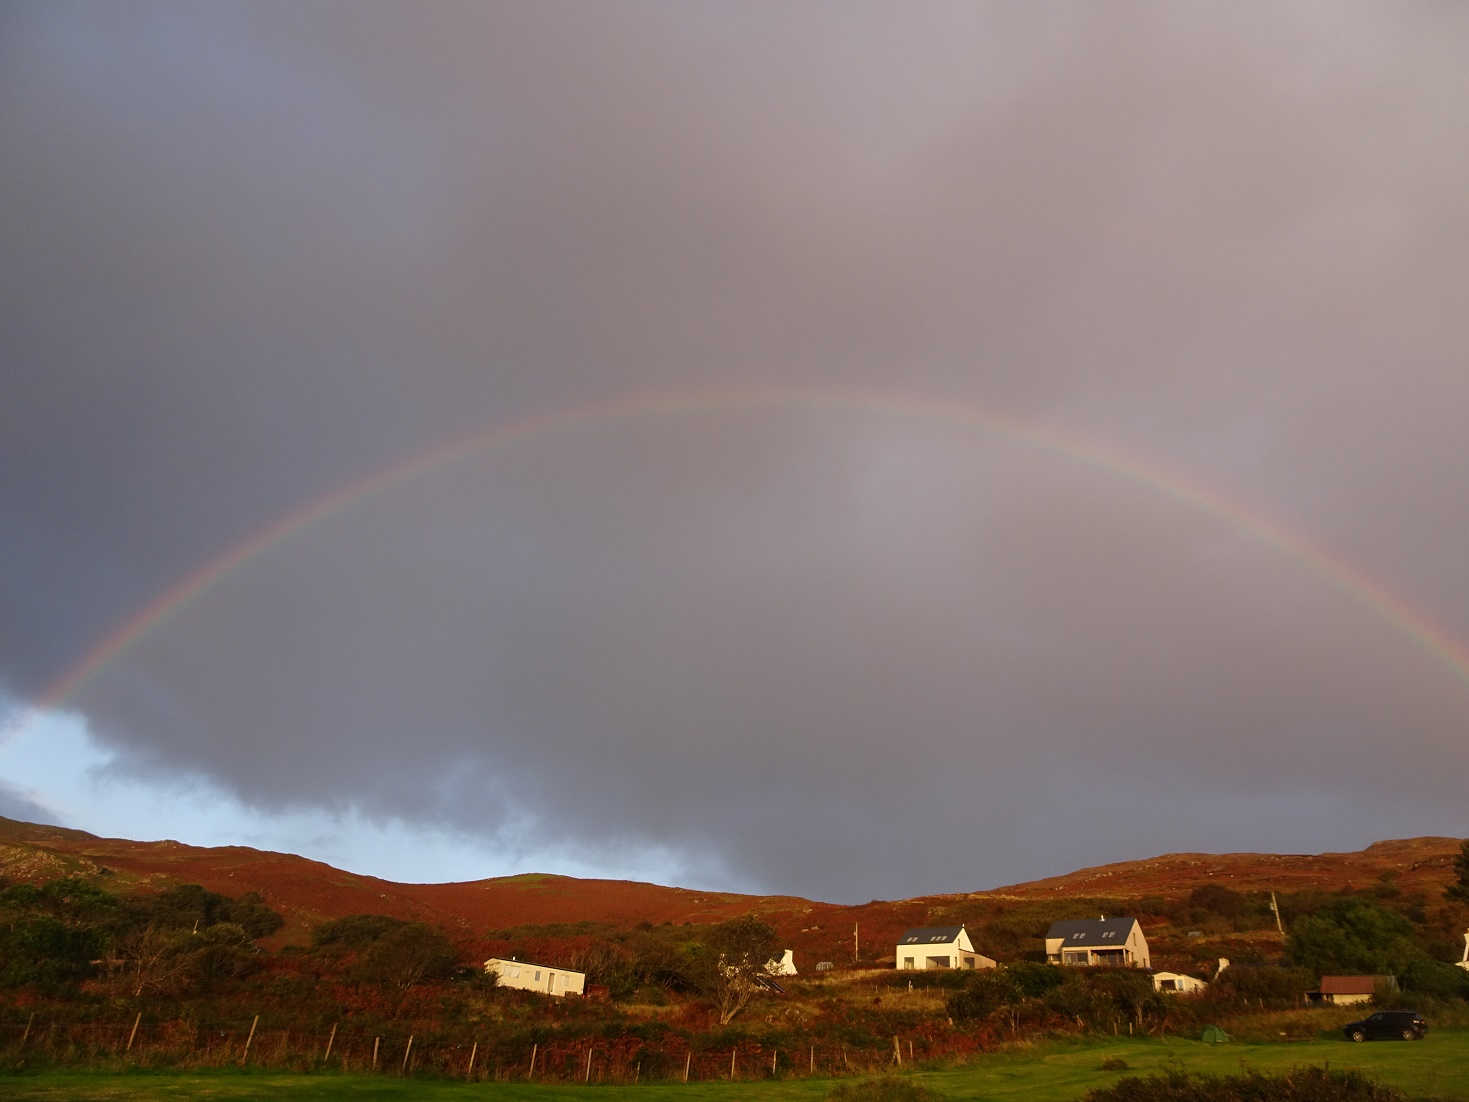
x=1083 y=932
x=1354 y=985
x=929 y=935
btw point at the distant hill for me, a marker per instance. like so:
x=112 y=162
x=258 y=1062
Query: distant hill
x=485 y=915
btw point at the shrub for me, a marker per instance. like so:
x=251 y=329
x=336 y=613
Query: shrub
x=1299 y=1085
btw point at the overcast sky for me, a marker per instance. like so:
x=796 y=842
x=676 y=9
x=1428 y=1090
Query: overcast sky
x=913 y=447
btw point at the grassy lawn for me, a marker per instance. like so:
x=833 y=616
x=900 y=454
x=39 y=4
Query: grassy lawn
x=1437 y=1067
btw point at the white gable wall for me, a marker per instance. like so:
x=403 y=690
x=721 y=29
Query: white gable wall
x=1073 y=952
x=958 y=953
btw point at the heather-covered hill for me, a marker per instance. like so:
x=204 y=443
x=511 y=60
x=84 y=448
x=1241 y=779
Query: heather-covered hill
x=539 y=909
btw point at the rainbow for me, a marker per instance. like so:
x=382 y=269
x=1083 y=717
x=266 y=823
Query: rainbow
x=1172 y=486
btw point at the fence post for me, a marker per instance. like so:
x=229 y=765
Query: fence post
x=406 y=1052
x=531 y=1074
x=687 y=1060
x=812 y=1069
x=134 y=1032
x=24 y=1036
x=327 y=1055
x=773 y=1055
x=375 y=1042
x=897 y=1051
x=732 y=1064
x=474 y=1051
x=244 y=1056
x=589 y=1064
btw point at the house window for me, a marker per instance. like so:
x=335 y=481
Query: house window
x=538 y=975
x=907 y=962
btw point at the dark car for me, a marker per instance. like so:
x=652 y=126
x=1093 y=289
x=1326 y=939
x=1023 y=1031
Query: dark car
x=1388 y=1024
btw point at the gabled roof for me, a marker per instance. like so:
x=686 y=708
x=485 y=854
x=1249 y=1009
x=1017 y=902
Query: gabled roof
x=1354 y=985
x=1081 y=933
x=930 y=935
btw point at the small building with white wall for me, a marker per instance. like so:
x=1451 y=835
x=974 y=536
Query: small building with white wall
x=785 y=966
x=1351 y=990
x=1178 y=983
x=927 y=947
x=1464 y=964
x=527 y=976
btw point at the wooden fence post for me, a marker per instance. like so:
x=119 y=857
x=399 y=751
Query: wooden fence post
x=687 y=1060
x=406 y=1052
x=24 y=1036
x=474 y=1051
x=812 y=1070
x=531 y=1074
x=589 y=1064
x=375 y=1042
x=897 y=1051
x=732 y=1064
x=134 y=1032
x=327 y=1055
x=773 y=1055
x=244 y=1056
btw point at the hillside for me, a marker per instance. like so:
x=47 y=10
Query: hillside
x=481 y=915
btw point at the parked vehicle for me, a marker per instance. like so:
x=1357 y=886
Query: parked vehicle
x=1386 y=1025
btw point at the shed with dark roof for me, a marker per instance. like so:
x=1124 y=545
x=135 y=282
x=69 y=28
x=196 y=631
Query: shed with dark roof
x=1347 y=990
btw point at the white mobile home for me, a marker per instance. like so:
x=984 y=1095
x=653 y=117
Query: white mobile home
x=528 y=976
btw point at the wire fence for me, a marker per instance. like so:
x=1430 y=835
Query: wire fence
x=255 y=1041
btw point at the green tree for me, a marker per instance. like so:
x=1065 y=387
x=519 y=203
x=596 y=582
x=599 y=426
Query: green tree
x=407 y=955
x=983 y=994
x=729 y=964
x=1352 y=935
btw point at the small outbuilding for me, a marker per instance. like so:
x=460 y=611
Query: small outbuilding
x=1178 y=983
x=1464 y=963
x=1350 y=990
x=926 y=947
x=785 y=966
x=528 y=976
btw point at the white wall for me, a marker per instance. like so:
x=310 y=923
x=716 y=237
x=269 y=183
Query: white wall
x=527 y=976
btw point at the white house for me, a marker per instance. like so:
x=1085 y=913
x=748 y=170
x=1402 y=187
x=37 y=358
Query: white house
x=526 y=976
x=1464 y=964
x=939 y=947
x=1098 y=942
x=1177 y=983
x=785 y=966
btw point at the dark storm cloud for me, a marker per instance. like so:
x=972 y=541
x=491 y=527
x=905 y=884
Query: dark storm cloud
x=253 y=254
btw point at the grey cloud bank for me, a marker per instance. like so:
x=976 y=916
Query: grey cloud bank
x=253 y=255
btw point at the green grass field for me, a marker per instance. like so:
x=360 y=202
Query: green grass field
x=1437 y=1067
